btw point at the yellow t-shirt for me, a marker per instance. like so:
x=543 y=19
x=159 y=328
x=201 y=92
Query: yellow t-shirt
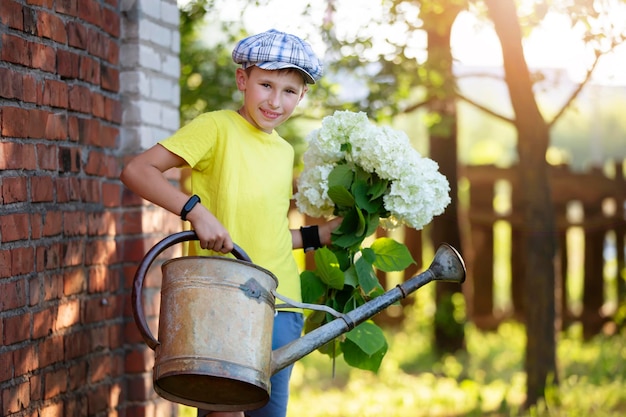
x=244 y=177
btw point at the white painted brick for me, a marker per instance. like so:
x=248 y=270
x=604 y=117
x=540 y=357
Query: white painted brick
x=149 y=58
x=170 y=13
x=151 y=8
x=134 y=82
x=171 y=66
x=170 y=118
x=175 y=46
x=163 y=89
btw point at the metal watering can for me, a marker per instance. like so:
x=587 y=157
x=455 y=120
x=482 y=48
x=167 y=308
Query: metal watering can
x=214 y=349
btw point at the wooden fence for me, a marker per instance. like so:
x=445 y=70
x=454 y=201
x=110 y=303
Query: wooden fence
x=589 y=205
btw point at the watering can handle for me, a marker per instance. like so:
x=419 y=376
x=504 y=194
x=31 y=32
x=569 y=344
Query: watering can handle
x=142 y=270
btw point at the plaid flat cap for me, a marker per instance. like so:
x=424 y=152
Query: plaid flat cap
x=274 y=50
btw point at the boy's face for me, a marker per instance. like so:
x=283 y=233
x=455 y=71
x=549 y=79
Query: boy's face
x=270 y=97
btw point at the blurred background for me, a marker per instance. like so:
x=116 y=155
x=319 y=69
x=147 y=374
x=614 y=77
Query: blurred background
x=521 y=104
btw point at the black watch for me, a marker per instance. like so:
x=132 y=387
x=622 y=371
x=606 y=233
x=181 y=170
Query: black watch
x=189 y=205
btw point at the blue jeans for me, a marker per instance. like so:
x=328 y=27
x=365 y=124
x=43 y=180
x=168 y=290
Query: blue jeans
x=287 y=328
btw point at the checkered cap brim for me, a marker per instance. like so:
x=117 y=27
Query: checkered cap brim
x=274 y=50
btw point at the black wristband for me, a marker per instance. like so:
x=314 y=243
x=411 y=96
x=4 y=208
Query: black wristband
x=189 y=205
x=310 y=238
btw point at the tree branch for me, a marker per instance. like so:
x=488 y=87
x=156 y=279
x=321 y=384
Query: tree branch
x=483 y=108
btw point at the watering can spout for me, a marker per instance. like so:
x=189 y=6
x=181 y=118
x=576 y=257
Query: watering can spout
x=447 y=266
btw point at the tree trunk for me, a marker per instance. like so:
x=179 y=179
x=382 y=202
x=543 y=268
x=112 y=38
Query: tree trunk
x=449 y=333
x=539 y=225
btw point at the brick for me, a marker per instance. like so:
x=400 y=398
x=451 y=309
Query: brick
x=17 y=156
x=15 y=122
x=56 y=127
x=79 y=98
x=51 y=26
x=43 y=323
x=74 y=223
x=113 y=110
x=42 y=3
x=98 y=399
x=48 y=257
x=73 y=253
x=12 y=295
x=5 y=267
x=112 y=52
x=109 y=136
x=89 y=70
x=97 y=105
x=11 y=14
x=77 y=34
x=50 y=350
x=30 y=24
x=55 y=383
x=31 y=88
x=76 y=344
x=37 y=123
x=15 y=398
x=55 y=94
x=111 y=194
x=77 y=374
x=25 y=360
x=97 y=44
x=69 y=160
x=90 y=11
x=47 y=155
x=90 y=191
x=35 y=387
x=15 y=50
x=52 y=223
x=111 y=22
x=53 y=410
x=16 y=328
x=14 y=190
x=22 y=261
x=74 y=281
x=6 y=365
x=52 y=287
x=43 y=57
x=110 y=78
x=42 y=189
x=12 y=85
x=14 y=227
x=98 y=279
x=100 y=252
x=68 y=64
x=34 y=290
x=68 y=314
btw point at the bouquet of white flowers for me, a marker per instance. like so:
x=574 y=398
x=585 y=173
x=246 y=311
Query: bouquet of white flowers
x=370 y=176
x=412 y=189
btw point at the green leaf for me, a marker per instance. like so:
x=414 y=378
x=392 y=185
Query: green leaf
x=391 y=255
x=312 y=287
x=369 y=255
x=365 y=346
x=367 y=278
x=328 y=268
x=378 y=188
x=350 y=277
x=341 y=196
x=341 y=176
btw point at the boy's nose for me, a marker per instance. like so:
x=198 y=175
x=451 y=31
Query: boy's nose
x=274 y=101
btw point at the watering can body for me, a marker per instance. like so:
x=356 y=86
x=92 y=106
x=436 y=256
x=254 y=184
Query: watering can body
x=214 y=347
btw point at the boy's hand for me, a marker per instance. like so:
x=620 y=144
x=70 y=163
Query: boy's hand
x=211 y=234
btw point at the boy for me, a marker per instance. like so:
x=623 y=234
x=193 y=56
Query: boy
x=242 y=178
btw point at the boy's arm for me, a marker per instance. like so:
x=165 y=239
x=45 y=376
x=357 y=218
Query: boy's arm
x=144 y=176
x=324 y=231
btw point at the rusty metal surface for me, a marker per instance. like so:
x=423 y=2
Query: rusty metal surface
x=215 y=331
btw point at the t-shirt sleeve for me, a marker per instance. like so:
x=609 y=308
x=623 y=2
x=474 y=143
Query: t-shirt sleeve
x=194 y=141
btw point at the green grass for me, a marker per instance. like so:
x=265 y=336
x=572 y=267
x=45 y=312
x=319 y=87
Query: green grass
x=487 y=380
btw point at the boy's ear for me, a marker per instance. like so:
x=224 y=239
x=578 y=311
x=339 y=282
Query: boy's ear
x=241 y=77
x=304 y=90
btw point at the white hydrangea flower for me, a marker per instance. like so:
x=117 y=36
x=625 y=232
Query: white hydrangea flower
x=417 y=190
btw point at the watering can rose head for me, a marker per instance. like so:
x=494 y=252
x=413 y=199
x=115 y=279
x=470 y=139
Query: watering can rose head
x=369 y=176
x=353 y=166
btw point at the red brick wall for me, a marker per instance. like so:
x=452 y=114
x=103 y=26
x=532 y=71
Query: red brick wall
x=70 y=235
